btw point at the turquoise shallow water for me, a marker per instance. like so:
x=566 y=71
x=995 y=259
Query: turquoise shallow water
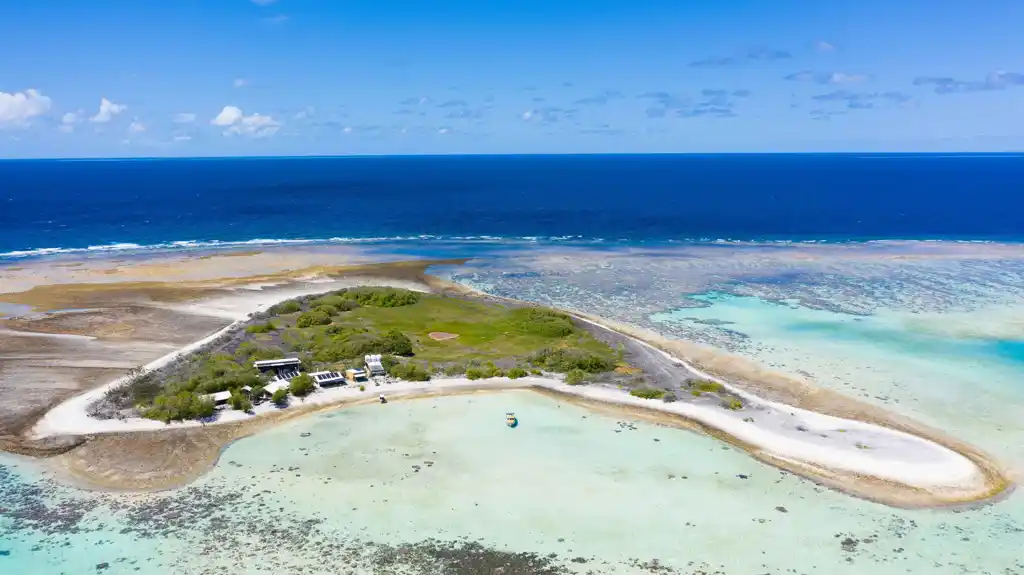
x=359 y=490
x=964 y=381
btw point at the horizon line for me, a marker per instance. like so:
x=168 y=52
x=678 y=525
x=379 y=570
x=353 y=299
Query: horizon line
x=1005 y=154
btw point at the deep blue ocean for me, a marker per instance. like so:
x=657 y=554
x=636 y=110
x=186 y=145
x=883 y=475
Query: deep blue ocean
x=52 y=206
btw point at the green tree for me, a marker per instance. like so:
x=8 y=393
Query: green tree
x=239 y=401
x=280 y=397
x=302 y=385
x=397 y=343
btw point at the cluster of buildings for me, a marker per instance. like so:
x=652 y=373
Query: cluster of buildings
x=282 y=371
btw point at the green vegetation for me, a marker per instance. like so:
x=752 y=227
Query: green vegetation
x=239 y=401
x=286 y=307
x=409 y=372
x=485 y=371
x=706 y=386
x=516 y=373
x=339 y=303
x=335 y=330
x=647 y=393
x=330 y=310
x=669 y=397
x=733 y=403
x=311 y=318
x=179 y=407
x=302 y=385
x=542 y=322
x=381 y=297
x=261 y=327
x=566 y=360
x=280 y=397
x=249 y=352
x=575 y=376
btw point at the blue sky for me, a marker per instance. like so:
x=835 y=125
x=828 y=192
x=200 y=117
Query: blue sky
x=242 y=77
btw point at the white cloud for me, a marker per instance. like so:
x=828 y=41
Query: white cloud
x=528 y=115
x=68 y=121
x=107 y=111
x=229 y=115
x=843 y=78
x=20 y=107
x=184 y=118
x=240 y=82
x=182 y=138
x=443 y=131
x=236 y=122
x=136 y=127
x=823 y=46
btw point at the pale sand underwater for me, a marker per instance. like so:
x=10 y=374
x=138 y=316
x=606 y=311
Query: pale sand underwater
x=614 y=493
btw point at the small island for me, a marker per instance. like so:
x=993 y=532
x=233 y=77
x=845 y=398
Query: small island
x=357 y=345
x=328 y=339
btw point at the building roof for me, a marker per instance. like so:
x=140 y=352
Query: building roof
x=283 y=362
x=220 y=396
x=327 y=376
x=276 y=385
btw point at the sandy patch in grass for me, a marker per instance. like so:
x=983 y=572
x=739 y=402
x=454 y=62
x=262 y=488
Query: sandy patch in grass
x=442 y=335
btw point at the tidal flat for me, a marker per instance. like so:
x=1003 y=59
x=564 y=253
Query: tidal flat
x=443 y=486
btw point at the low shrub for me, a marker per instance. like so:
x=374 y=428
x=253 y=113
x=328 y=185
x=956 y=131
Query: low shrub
x=261 y=327
x=409 y=372
x=454 y=370
x=286 y=307
x=733 y=403
x=575 y=377
x=311 y=318
x=707 y=385
x=330 y=310
x=542 y=322
x=381 y=297
x=566 y=360
x=516 y=373
x=179 y=407
x=669 y=397
x=648 y=393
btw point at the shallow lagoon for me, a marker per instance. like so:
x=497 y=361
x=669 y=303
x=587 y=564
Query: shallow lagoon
x=346 y=491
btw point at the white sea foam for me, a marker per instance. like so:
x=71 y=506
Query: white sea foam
x=188 y=245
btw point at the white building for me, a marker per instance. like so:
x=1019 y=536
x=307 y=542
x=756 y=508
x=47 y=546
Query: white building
x=374 y=365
